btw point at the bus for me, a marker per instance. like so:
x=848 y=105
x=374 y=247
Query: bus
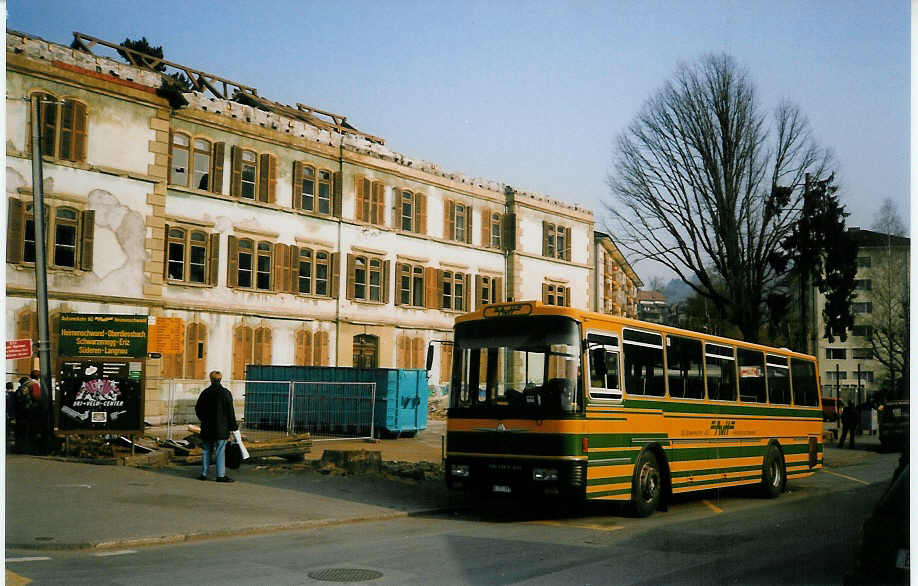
x=549 y=401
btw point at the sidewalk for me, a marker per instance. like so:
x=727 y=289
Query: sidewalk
x=54 y=504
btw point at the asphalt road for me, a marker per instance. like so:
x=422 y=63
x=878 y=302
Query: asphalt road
x=729 y=537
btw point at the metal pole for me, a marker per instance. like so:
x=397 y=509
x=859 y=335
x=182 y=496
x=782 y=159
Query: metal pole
x=41 y=275
x=290 y=419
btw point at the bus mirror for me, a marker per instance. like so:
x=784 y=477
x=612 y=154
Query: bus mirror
x=429 y=356
x=598 y=358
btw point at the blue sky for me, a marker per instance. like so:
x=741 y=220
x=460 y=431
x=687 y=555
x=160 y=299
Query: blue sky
x=533 y=94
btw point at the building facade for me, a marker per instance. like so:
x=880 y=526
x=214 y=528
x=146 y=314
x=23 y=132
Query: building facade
x=277 y=235
x=851 y=367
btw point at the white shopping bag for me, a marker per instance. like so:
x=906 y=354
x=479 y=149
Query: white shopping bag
x=238 y=438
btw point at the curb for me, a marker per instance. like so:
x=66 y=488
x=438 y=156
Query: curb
x=216 y=534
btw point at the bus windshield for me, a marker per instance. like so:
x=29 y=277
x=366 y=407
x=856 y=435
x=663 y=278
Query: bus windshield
x=521 y=366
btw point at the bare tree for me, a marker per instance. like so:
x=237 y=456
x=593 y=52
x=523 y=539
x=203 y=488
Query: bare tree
x=708 y=185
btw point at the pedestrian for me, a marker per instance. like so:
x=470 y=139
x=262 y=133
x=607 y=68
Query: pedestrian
x=29 y=412
x=10 y=412
x=849 y=424
x=218 y=418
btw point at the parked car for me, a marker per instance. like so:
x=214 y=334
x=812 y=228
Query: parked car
x=893 y=417
x=830 y=409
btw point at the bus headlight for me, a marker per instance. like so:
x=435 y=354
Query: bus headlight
x=545 y=474
x=459 y=470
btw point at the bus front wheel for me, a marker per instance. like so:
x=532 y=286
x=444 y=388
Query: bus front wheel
x=646 y=486
x=774 y=476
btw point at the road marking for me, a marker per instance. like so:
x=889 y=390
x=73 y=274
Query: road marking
x=29 y=559
x=106 y=554
x=712 y=506
x=580 y=525
x=14 y=579
x=845 y=476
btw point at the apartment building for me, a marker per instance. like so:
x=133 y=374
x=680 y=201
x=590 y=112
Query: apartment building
x=278 y=235
x=880 y=285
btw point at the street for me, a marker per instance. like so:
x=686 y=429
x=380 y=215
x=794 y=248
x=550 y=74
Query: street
x=732 y=536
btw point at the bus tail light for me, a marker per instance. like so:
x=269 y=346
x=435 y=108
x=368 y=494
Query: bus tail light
x=585 y=444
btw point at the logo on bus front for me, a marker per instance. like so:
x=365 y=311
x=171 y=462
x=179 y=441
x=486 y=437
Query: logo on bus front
x=722 y=427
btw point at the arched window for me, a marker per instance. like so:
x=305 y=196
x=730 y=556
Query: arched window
x=178 y=168
x=201 y=171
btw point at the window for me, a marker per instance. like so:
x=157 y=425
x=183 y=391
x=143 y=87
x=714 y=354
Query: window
x=862 y=331
x=250 y=347
x=412 y=207
x=836 y=375
x=604 y=379
x=454 y=290
x=191 y=362
x=64 y=128
x=553 y=294
x=192 y=256
x=27 y=328
x=263 y=270
x=866 y=376
x=259 y=265
x=778 y=378
x=311 y=271
x=311 y=349
x=863 y=285
x=371 y=199
x=411 y=285
x=751 y=375
x=835 y=353
x=720 y=371
x=196 y=163
x=643 y=352
x=862 y=307
x=685 y=368
x=254 y=176
x=410 y=353
x=862 y=353
x=200 y=178
x=490 y=229
x=69 y=235
x=366 y=351
x=863 y=262
x=368 y=278
x=488 y=290
x=178 y=168
x=803 y=382
x=556 y=241
x=457 y=222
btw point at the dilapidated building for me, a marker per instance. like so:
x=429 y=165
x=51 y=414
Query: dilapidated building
x=278 y=234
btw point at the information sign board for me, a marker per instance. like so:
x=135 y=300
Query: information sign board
x=104 y=335
x=166 y=335
x=100 y=396
x=16 y=349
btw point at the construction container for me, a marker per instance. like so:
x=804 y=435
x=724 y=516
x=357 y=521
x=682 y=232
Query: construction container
x=323 y=399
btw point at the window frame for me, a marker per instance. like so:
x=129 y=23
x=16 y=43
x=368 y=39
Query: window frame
x=610 y=342
x=453 y=290
x=22 y=250
x=54 y=132
x=668 y=367
x=720 y=356
x=639 y=344
x=415 y=275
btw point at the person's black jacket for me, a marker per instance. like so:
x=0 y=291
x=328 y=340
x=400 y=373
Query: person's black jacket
x=215 y=411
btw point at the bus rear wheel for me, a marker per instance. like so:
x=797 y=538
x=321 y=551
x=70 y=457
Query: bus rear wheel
x=646 y=486
x=774 y=476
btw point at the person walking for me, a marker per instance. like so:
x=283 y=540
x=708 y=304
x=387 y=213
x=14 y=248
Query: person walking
x=849 y=424
x=214 y=409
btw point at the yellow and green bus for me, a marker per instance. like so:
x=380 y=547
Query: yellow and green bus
x=548 y=400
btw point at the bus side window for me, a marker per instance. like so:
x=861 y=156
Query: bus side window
x=644 y=363
x=684 y=366
x=803 y=383
x=603 y=356
x=720 y=366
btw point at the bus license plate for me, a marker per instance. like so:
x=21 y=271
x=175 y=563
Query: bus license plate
x=501 y=488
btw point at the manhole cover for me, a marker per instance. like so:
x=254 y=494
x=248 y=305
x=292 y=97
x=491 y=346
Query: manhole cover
x=44 y=538
x=345 y=575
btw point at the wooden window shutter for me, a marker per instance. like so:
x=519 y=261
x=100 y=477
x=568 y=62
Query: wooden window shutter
x=466 y=292
x=379 y=194
x=497 y=289
x=293 y=280
x=297 y=185
x=336 y=193
x=236 y=171
x=213 y=259
x=449 y=220
x=281 y=267
x=198 y=363
x=79 y=131
x=239 y=352
x=567 y=244
x=87 y=236
x=321 y=348
x=15 y=230
x=385 y=280
x=567 y=296
x=397 y=277
x=267 y=178
x=486 y=228
x=191 y=337
x=545 y=293
x=420 y=213
x=335 y=274
x=350 y=277
x=468 y=224
x=216 y=167
x=65 y=146
x=308 y=358
x=446 y=362
x=478 y=294
x=400 y=353
x=263 y=345
x=232 y=261
x=27 y=327
x=431 y=288
x=359 y=196
x=545 y=229
x=508 y=232
x=166 y=252
x=417 y=352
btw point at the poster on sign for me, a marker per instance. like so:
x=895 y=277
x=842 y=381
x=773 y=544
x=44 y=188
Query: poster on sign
x=98 y=396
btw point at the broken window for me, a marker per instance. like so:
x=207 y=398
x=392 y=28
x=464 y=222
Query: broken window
x=64 y=128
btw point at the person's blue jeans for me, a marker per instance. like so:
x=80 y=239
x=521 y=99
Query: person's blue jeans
x=211 y=446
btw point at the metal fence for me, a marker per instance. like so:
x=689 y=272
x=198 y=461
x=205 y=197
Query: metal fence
x=275 y=409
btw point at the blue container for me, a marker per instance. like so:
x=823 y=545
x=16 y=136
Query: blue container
x=401 y=399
